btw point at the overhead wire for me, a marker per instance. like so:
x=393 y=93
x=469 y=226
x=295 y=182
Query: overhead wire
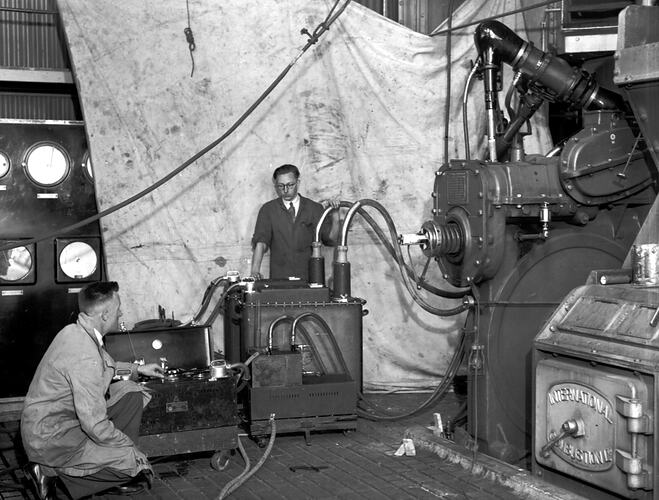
x=311 y=40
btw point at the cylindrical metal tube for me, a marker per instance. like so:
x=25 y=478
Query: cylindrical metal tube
x=341 y=280
x=317 y=270
x=615 y=277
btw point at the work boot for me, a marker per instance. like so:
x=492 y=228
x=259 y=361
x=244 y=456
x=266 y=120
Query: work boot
x=41 y=484
x=143 y=480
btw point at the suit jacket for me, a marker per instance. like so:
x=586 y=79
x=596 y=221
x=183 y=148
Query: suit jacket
x=289 y=242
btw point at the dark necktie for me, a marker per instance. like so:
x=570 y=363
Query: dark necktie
x=291 y=212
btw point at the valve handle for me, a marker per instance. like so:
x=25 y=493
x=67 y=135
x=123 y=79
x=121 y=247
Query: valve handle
x=571 y=427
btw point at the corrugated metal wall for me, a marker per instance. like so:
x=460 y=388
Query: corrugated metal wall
x=31 y=37
x=38 y=106
x=31 y=40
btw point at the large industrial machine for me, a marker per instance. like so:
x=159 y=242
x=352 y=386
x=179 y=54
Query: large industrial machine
x=596 y=358
x=523 y=230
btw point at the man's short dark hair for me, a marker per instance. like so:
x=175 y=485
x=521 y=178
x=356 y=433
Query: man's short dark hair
x=286 y=169
x=95 y=294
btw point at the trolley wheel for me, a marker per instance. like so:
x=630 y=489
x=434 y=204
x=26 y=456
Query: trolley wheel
x=220 y=459
x=261 y=441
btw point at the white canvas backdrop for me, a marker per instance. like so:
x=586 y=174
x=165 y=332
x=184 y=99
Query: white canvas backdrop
x=361 y=114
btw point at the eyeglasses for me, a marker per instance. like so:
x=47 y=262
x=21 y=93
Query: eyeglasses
x=286 y=187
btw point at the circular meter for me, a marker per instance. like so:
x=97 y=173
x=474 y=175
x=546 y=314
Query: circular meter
x=15 y=264
x=4 y=164
x=46 y=164
x=78 y=260
x=87 y=166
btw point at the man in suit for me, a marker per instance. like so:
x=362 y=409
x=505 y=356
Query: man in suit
x=286 y=226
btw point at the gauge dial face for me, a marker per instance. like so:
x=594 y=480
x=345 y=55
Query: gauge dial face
x=78 y=260
x=47 y=165
x=4 y=164
x=15 y=264
x=87 y=166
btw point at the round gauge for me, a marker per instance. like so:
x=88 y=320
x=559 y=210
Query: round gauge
x=46 y=164
x=87 y=166
x=78 y=260
x=15 y=264
x=4 y=164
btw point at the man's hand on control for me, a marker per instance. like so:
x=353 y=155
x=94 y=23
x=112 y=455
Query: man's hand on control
x=257 y=275
x=151 y=370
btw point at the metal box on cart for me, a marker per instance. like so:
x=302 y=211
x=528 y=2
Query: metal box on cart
x=309 y=390
x=248 y=317
x=189 y=410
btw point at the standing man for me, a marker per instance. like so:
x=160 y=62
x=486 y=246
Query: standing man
x=287 y=226
x=77 y=423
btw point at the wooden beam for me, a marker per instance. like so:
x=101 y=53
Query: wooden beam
x=36 y=75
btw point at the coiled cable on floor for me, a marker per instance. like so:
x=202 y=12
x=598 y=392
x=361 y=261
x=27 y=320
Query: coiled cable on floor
x=235 y=483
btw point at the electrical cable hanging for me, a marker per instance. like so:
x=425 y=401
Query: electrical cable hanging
x=189 y=37
x=312 y=39
x=436 y=396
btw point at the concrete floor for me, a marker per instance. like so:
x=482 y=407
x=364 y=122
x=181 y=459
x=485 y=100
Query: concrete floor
x=358 y=464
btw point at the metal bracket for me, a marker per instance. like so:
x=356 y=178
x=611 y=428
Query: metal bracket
x=638 y=421
x=637 y=476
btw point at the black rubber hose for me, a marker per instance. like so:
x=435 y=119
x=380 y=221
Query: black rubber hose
x=208 y=294
x=245 y=476
x=447 y=294
x=238 y=479
x=330 y=334
x=314 y=350
x=401 y=265
x=439 y=392
x=220 y=304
